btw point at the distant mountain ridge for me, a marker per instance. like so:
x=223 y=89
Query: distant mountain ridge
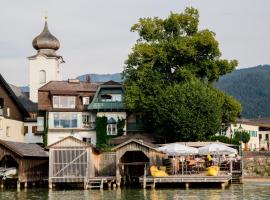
x=250 y=86
x=102 y=77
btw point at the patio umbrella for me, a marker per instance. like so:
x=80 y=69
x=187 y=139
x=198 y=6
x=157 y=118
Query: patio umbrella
x=215 y=148
x=176 y=149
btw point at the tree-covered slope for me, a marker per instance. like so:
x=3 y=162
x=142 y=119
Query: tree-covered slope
x=251 y=86
x=102 y=77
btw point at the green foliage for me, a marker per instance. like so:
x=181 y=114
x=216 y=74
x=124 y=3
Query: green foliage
x=101 y=132
x=169 y=74
x=242 y=136
x=120 y=126
x=220 y=138
x=251 y=86
x=45 y=133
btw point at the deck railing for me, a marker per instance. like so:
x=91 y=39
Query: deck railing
x=135 y=127
x=106 y=105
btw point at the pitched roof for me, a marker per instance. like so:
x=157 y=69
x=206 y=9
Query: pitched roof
x=13 y=96
x=111 y=82
x=141 y=142
x=76 y=140
x=25 y=149
x=68 y=86
x=262 y=122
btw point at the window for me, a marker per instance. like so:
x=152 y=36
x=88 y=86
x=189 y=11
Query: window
x=86 y=120
x=87 y=140
x=40 y=123
x=63 y=102
x=85 y=100
x=42 y=77
x=25 y=130
x=111 y=129
x=34 y=129
x=8 y=112
x=7 y=131
x=65 y=120
x=111 y=97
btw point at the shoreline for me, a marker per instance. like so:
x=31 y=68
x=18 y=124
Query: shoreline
x=256 y=179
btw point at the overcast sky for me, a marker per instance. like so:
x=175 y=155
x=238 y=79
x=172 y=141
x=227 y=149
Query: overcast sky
x=95 y=35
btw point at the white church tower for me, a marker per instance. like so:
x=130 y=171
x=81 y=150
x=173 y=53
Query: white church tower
x=45 y=65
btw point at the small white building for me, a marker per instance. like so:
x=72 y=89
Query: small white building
x=251 y=127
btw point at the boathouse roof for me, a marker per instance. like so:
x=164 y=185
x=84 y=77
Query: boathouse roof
x=24 y=149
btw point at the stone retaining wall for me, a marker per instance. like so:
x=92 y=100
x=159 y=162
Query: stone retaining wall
x=256 y=164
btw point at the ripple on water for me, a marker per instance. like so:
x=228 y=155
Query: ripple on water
x=246 y=191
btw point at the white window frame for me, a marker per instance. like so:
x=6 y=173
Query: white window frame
x=69 y=117
x=110 y=129
x=71 y=102
x=86 y=100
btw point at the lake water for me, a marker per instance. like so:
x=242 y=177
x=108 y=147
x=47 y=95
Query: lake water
x=246 y=191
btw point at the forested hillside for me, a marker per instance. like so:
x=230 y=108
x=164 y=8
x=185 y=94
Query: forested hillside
x=251 y=86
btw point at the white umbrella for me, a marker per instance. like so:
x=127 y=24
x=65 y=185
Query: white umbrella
x=176 y=149
x=215 y=148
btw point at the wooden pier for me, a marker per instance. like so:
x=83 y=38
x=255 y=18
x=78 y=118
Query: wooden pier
x=149 y=181
x=98 y=182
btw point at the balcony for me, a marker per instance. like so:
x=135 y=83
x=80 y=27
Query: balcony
x=89 y=125
x=107 y=106
x=135 y=127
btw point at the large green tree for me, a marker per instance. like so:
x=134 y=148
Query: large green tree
x=169 y=75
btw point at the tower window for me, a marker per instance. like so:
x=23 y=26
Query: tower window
x=42 y=76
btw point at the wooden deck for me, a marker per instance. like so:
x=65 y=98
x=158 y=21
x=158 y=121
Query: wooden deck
x=150 y=181
x=99 y=181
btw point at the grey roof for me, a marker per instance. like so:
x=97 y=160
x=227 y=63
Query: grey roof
x=45 y=40
x=23 y=98
x=25 y=149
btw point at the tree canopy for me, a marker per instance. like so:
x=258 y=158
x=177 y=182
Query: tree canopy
x=169 y=75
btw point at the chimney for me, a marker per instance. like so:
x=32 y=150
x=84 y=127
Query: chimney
x=88 y=78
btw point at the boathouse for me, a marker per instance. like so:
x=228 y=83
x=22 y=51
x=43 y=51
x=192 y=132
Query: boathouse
x=71 y=161
x=133 y=157
x=29 y=160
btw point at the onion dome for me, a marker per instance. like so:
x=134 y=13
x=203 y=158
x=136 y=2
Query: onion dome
x=45 y=40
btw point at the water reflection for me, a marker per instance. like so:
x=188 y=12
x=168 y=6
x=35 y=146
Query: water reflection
x=246 y=191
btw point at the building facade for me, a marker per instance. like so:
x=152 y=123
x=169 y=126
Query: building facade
x=63 y=110
x=12 y=114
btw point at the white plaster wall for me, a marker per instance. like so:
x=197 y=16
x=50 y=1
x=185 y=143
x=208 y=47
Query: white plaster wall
x=31 y=137
x=53 y=73
x=54 y=136
x=253 y=143
x=16 y=129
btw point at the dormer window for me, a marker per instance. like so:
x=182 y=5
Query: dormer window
x=111 y=97
x=64 y=101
